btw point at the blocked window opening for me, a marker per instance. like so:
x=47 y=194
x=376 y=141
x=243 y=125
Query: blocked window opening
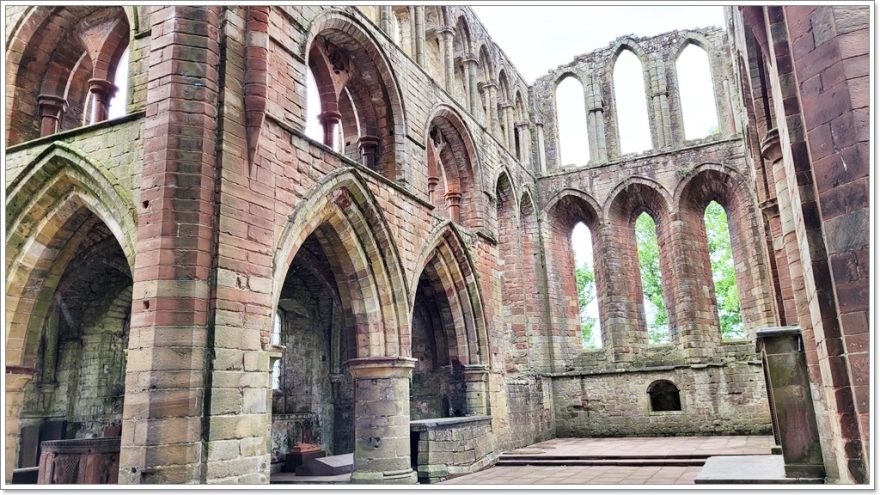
x=723 y=272
x=698 y=110
x=655 y=313
x=631 y=103
x=571 y=114
x=664 y=396
x=585 y=276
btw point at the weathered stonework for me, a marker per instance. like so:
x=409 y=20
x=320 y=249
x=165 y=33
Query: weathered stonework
x=421 y=266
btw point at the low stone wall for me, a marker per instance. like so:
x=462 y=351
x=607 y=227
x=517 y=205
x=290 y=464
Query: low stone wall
x=447 y=447
x=724 y=399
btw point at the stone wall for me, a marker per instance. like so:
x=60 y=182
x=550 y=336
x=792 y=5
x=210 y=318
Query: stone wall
x=224 y=212
x=446 y=448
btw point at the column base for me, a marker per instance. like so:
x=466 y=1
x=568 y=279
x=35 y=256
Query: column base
x=404 y=477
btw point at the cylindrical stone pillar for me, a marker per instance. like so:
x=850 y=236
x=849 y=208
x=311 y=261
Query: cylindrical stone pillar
x=52 y=110
x=493 y=105
x=453 y=203
x=508 y=125
x=433 y=180
x=476 y=386
x=470 y=68
x=329 y=120
x=420 y=34
x=50 y=347
x=446 y=34
x=369 y=148
x=102 y=91
x=385 y=14
x=16 y=379
x=524 y=139
x=381 y=425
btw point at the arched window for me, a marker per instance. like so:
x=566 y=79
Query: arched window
x=585 y=275
x=355 y=89
x=631 y=104
x=723 y=273
x=571 y=116
x=277 y=325
x=120 y=79
x=71 y=60
x=656 y=315
x=664 y=396
x=697 y=93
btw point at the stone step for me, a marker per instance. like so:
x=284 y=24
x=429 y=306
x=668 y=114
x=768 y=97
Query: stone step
x=748 y=469
x=332 y=465
x=601 y=462
x=292 y=479
x=601 y=457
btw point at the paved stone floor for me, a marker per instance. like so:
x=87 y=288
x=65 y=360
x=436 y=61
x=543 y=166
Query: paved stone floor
x=618 y=447
x=654 y=446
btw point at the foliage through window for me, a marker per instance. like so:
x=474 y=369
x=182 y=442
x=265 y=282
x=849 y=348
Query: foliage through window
x=585 y=275
x=652 y=283
x=723 y=273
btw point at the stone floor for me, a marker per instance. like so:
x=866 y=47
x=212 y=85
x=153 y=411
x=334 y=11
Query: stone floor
x=620 y=448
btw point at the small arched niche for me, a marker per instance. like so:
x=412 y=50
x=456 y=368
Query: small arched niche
x=664 y=396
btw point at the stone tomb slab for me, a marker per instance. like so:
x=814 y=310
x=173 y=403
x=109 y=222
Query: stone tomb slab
x=747 y=469
x=327 y=466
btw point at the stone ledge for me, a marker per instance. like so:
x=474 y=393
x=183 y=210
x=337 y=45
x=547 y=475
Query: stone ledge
x=458 y=422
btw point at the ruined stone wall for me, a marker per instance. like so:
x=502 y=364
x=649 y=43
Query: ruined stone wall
x=212 y=190
x=672 y=182
x=658 y=56
x=804 y=78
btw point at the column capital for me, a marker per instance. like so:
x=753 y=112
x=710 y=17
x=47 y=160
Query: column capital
x=475 y=369
x=17 y=377
x=368 y=141
x=381 y=367
x=51 y=104
x=329 y=116
x=443 y=30
x=453 y=197
x=771 y=149
x=469 y=58
x=102 y=86
x=521 y=123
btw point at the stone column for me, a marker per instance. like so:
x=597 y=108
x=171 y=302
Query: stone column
x=50 y=347
x=524 y=139
x=102 y=92
x=369 y=148
x=381 y=425
x=542 y=153
x=329 y=120
x=453 y=203
x=433 y=180
x=466 y=76
x=164 y=426
x=16 y=379
x=476 y=379
x=470 y=69
x=419 y=38
x=446 y=34
x=508 y=124
x=385 y=14
x=52 y=110
x=492 y=105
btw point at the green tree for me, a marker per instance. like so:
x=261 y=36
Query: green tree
x=652 y=283
x=586 y=289
x=723 y=273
